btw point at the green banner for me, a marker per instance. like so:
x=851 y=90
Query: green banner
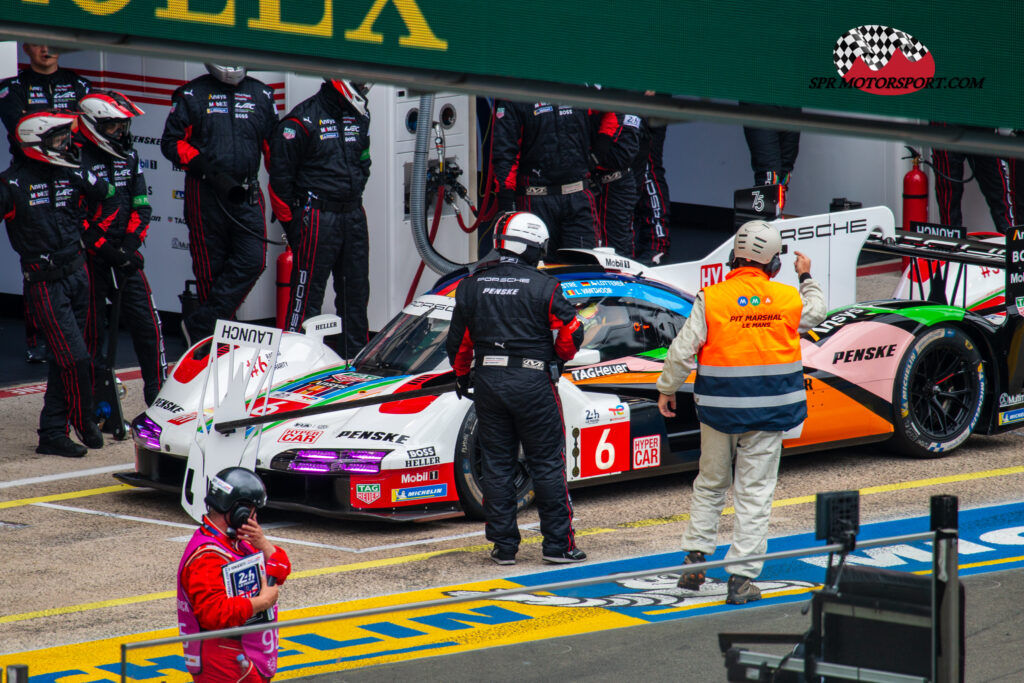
x=947 y=61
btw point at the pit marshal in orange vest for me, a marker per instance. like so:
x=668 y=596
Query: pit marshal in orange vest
x=743 y=337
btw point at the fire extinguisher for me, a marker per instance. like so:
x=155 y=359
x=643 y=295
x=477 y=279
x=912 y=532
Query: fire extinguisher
x=284 y=282
x=915 y=196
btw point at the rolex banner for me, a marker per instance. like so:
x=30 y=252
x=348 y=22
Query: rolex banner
x=944 y=61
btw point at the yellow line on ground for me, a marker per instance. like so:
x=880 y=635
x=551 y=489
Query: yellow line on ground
x=64 y=496
x=420 y=557
x=86 y=607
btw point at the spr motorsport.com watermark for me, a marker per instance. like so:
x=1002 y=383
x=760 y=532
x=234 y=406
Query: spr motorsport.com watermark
x=886 y=61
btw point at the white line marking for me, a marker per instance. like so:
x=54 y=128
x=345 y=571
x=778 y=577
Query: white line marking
x=179 y=525
x=275 y=525
x=283 y=541
x=128 y=518
x=65 y=475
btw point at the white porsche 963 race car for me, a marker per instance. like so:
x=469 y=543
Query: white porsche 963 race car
x=923 y=373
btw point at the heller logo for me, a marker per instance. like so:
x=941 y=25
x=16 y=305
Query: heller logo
x=368 y=493
x=881 y=60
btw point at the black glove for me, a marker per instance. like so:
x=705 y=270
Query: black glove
x=111 y=255
x=227 y=187
x=131 y=243
x=91 y=236
x=132 y=265
x=463 y=383
x=198 y=165
x=599 y=151
x=506 y=201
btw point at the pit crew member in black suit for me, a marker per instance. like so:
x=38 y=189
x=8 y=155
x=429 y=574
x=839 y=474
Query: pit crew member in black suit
x=44 y=85
x=42 y=200
x=319 y=165
x=114 y=242
x=504 y=314
x=218 y=127
x=541 y=159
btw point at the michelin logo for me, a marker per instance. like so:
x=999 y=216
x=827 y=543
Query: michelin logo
x=419 y=493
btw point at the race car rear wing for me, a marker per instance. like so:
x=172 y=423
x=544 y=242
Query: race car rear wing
x=939 y=252
x=832 y=241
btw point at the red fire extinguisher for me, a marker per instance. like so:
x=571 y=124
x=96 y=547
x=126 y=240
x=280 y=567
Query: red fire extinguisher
x=915 y=195
x=284 y=282
x=915 y=198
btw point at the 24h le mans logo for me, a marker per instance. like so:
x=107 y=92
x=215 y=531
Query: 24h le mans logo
x=883 y=61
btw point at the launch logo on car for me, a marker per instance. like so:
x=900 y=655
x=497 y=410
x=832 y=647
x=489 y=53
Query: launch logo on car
x=419 y=493
x=646 y=452
x=300 y=436
x=367 y=493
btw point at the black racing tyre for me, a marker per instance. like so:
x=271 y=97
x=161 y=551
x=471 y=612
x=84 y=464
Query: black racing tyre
x=938 y=393
x=467 y=472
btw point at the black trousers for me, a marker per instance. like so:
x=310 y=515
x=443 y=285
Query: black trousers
x=615 y=211
x=994 y=179
x=571 y=218
x=138 y=314
x=329 y=243
x=60 y=308
x=772 y=153
x=518 y=406
x=651 y=215
x=227 y=259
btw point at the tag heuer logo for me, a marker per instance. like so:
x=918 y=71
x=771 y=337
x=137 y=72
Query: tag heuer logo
x=368 y=493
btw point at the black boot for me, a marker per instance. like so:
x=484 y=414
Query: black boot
x=60 y=445
x=91 y=436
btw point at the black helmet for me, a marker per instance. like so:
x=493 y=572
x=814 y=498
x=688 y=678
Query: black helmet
x=236 y=492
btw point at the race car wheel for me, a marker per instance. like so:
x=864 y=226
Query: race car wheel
x=939 y=392
x=468 y=481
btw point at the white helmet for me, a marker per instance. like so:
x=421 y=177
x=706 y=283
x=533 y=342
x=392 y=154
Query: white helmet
x=352 y=92
x=46 y=136
x=107 y=121
x=228 y=75
x=757 y=241
x=515 y=231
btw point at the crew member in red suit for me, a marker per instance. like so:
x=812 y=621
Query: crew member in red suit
x=230 y=533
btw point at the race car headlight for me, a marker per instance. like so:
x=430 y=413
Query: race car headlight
x=329 y=461
x=146 y=432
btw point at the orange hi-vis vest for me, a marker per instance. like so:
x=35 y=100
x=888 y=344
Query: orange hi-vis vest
x=750 y=373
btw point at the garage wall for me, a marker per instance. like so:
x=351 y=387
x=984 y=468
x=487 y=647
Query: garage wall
x=706 y=162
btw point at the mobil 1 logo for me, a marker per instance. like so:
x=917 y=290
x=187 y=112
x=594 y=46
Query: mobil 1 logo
x=1015 y=271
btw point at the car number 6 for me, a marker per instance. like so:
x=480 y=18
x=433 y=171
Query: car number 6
x=605 y=462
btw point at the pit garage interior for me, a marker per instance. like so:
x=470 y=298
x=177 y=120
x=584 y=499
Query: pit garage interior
x=852 y=146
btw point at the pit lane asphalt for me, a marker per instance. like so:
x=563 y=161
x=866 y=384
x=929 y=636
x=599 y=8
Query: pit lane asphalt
x=86 y=558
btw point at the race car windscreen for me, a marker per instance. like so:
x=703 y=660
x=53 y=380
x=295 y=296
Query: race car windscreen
x=622 y=326
x=407 y=345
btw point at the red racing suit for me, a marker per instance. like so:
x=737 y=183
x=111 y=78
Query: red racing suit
x=201 y=584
